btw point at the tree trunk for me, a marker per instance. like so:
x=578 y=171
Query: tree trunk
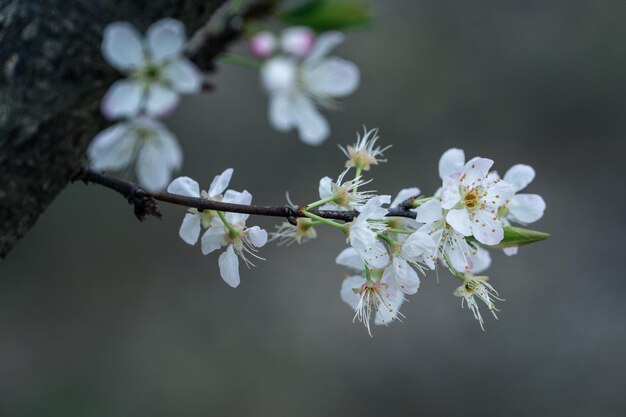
x=52 y=78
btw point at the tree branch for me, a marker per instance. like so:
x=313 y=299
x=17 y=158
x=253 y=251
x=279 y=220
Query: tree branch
x=145 y=203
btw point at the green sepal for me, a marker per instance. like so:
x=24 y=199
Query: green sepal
x=323 y=15
x=518 y=236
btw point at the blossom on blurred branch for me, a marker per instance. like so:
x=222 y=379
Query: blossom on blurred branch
x=299 y=76
x=156 y=68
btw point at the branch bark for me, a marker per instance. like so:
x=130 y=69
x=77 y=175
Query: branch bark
x=52 y=77
x=145 y=203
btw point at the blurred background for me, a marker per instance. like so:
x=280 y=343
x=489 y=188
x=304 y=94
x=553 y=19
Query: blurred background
x=101 y=315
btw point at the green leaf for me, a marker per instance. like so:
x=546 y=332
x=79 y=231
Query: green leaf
x=322 y=15
x=518 y=236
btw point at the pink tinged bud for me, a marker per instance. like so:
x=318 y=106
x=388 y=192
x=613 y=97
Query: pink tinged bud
x=298 y=41
x=263 y=44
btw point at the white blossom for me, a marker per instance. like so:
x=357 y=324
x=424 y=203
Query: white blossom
x=345 y=195
x=195 y=219
x=156 y=68
x=415 y=252
x=303 y=77
x=451 y=246
x=287 y=234
x=364 y=153
x=473 y=201
x=239 y=240
x=147 y=144
x=479 y=287
x=365 y=296
x=364 y=230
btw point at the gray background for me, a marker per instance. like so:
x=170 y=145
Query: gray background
x=101 y=315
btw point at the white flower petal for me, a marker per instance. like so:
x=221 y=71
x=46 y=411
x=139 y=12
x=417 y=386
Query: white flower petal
x=184 y=186
x=458 y=252
x=373 y=209
x=258 y=236
x=481 y=260
x=122 y=46
x=404 y=194
x=280 y=111
x=166 y=39
x=347 y=290
x=405 y=277
x=190 y=228
x=487 y=229
x=313 y=128
x=450 y=194
x=152 y=172
x=229 y=267
x=429 y=212
x=213 y=237
x=526 y=208
x=113 y=148
x=184 y=76
x=510 y=251
x=476 y=170
x=325 y=187
x=157 y=158
x=324 y=44
x=497 y=195
x=332 y=77
x=236 y=197
x=220 y=182
x=160 y=100
x=418 y=244
x=123 y=99
x=372 y=250
x=387 y=314
x=450 y=162
x=519 y=176
x=350 y=258
x=278 y=74
x=460 y=221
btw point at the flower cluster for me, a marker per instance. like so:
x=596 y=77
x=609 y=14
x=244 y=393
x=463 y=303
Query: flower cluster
x=157 y=73
x=221 y=230
x=453 y=228
x=298 y=75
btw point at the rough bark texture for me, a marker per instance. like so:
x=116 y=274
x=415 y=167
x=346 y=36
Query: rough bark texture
x=52 y=77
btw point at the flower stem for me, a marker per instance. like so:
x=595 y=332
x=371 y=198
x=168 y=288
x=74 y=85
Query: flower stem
x=231 y=230
x=387 y=239
x=239 y=60
x=323 y=220
x=321 y=202
x=400 y=231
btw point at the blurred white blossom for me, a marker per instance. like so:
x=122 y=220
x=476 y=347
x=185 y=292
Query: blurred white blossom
x=143 y=142
x=156 y=67
x=301 y=77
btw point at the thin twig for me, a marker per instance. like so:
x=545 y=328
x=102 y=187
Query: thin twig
x=146 y=203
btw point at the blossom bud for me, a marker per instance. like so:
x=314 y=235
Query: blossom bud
x=263 y=44
x=298 y=41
